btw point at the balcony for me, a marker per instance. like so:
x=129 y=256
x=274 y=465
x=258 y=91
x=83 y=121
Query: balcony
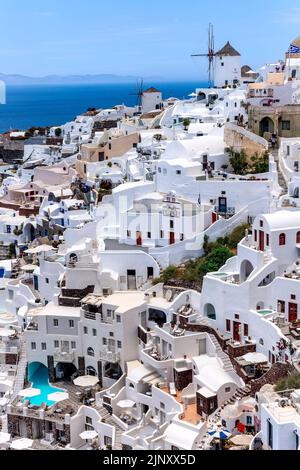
x=65 y=357
x=110 y=356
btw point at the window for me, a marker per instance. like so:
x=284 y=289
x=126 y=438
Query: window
x=94 y=332
x=128 y=233
x=55 y=322
x=44 y=346
x=109 y=313
x=8 y=229
x=237 y=317
x=33 y=346
x=298 y=238
x=281 y=306
x=227 y=390
x=255 y=235
x=293 y=297
x=85 y=330
x=246 y=330
x=181 y=237
x=118 y=318
x=268 y=239
x=71 y=323
x=159 y=170
x=212 y=405
x=178 y=172
x=73 y=345
x=119 y=343
x=282 y=239
x=171 y=224
x=91 y=352
x=228 y=326
x=162 y=405
x=249 y=420
x=286 y=125
x=162 y=235
x=88 y=420
x=222 y=64
x=149 y=234
x=261 y=223
x=47 y=280
x=56 y=344
x=104 y=341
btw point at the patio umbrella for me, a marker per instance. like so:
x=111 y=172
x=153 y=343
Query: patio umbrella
x=220 y=434
x=86 y=381
x=4 y=437
x=126 y=404
x=29 y=393
x=58 y=396
x=242 y=440
x=21 y=444
x=88 y=435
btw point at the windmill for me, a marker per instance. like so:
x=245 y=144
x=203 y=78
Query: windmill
x=139 y=94
x=210 y=54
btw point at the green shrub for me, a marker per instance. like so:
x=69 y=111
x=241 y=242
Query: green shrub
x=289 y=383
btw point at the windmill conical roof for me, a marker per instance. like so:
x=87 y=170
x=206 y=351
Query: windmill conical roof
x=228 y=50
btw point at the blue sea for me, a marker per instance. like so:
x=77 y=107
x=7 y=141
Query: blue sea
x=50 y=105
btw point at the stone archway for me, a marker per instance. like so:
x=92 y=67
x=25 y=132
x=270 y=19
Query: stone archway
x=266 y=125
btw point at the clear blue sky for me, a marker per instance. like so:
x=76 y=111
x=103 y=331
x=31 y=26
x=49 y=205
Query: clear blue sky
x=138 y=37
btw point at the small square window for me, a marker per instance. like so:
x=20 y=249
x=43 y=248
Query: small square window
x=55 y=322
x=44 y=346
x=33 y=346
x=227 y=390
x=293 y=297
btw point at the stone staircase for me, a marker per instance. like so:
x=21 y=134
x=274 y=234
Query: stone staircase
x=239 y=395
x=21 y=371
x=227 y=364
x=105 y=415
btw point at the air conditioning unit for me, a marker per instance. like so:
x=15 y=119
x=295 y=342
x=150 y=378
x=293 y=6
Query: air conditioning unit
x=284 y=402
x=107 y=292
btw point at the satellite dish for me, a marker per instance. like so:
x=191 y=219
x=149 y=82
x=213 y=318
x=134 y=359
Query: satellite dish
x=169 y=295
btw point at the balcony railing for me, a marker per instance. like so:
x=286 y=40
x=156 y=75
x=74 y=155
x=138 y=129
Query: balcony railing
x=66 y=357
x=109 y=356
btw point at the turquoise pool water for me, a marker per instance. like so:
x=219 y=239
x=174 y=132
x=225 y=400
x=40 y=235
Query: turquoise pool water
x=38 y=376
x=265 y=312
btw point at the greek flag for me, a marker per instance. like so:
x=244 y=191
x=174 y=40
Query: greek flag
x=294 y=49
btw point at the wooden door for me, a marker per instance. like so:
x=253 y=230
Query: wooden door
x=172 y=238
x=139 y=240
x=236 y=331
x=261 y=240
x=293 y=312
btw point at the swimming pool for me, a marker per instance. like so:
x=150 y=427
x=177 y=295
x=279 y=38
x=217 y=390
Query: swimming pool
x=38 y=376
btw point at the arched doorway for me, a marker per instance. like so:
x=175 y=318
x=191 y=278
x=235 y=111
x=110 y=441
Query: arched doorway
x=210 y=312
x=246 y=269
x=201 y=96
x=266 y=126
x=91 y=371
x=65 y=371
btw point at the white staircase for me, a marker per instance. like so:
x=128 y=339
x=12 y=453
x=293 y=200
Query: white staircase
x=21 y=371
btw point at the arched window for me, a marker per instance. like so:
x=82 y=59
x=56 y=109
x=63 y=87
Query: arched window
x=298 y=237
x=91 y=352
x=282 y=239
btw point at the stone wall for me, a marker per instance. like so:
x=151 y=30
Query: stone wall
x=277 y=372
x=234 y=351
x=183 y=379
x=239 y=139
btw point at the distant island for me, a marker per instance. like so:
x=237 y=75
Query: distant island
x=70 y=79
